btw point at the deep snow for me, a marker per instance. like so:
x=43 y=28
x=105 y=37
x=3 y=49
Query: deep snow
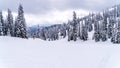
x=36 y=53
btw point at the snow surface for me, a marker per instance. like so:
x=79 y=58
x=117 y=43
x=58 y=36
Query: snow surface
x=36 y=53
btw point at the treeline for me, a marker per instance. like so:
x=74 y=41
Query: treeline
x=11 y=27
x=104 y=26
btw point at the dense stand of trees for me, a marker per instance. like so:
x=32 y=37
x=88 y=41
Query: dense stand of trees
x=104 y=25
x=17 y=28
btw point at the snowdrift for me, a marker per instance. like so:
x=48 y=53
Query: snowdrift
x=36 y=53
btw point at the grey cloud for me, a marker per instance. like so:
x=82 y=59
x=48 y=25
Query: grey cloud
x=43 y=6
x=94 y=5
x=33 y=6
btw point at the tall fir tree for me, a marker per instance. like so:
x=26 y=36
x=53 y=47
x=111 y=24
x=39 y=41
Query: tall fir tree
x=10 y=25
x=116 y=32
x=5 y=27
x=1 y=24
x=70 y=31
x=63 y=30
x=75 y=22
x=84 y=31
x=110 y=27
x=16 y=29
x=89 y=24
x=42 y=34
x=97 y=31
x=104 y=28
x=79 y=21
x=20 y=25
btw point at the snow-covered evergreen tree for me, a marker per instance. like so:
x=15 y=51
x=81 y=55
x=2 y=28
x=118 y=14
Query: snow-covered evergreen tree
x=20 y=24
x=1 y=24
x=79 y=27
x=9 y=23
x=5 y=27
x=89 y=25
x=42 y=34
x=88 y=22
x=104 y=28
x=63 y=30
x=16 y=29
x=84 y=32
x=70 y=31
x=73 y=28
x=116 y=33
x=110 y=27
x=97 y=31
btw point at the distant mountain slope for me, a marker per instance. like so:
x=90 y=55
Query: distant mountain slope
x=34 y=28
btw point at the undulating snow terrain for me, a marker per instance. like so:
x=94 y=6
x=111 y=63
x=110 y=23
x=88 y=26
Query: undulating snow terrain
x=36 y=53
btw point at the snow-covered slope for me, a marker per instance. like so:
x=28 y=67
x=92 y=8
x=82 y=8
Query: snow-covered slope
x=36 y=53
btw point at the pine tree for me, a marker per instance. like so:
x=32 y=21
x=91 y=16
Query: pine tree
x=16 y=29
x=75 y=22
x=5 y=28
x=63 y=30
x=118 y=32
x=79 y=21
x=1 y=24
x=88 y=22
x=110 y=27
x=96 y=21
x=89 y=25
x=10 y=25
x=20 y=28
x=41 y=33
x=116 y=36
x=70 y=31
x=84 y=32
x=97 y=31
x=114 y=32
x=104 y=28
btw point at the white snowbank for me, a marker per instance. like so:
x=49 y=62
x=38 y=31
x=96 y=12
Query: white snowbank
x=29 y=53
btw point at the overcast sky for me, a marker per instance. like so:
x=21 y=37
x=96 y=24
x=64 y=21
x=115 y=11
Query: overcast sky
x=54 y=11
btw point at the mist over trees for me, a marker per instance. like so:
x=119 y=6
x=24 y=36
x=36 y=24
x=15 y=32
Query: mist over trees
x=103 y=25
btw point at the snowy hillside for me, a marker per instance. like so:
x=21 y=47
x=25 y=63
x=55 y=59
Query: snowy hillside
x=36 y=53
